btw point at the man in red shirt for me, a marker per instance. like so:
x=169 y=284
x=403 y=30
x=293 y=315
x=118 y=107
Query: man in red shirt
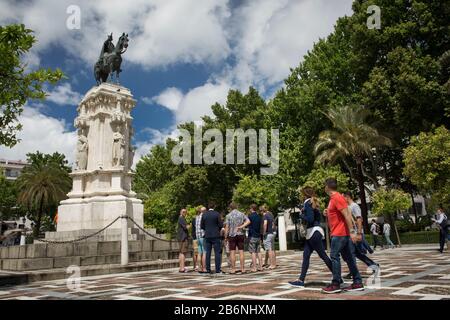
x=342 y=234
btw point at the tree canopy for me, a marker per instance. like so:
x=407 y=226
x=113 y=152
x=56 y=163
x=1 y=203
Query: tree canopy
x=17 y=84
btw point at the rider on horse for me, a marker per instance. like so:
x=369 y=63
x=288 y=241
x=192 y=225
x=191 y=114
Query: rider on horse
x=108 y=47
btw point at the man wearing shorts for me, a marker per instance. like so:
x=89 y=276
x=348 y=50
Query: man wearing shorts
x=235 y=222
x=268 y=238
x=198 y=234
x=254 y=234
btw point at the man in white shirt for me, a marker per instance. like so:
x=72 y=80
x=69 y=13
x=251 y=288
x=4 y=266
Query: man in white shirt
x=375 y=231
x=442 y=222
x=387 y=235
x=359 y=250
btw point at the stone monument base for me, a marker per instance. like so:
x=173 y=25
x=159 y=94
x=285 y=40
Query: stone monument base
x=79 y=217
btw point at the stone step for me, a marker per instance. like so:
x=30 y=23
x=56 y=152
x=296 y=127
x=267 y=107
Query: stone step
x=96 y=270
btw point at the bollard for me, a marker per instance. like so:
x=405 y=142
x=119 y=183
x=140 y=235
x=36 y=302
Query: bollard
x=282 y=231
x=124 y=243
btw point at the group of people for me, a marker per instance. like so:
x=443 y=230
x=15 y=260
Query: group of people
x=211 y=231
x=347 y=238
x=376 y=232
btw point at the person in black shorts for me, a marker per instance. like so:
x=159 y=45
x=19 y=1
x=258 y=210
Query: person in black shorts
x=235 y=222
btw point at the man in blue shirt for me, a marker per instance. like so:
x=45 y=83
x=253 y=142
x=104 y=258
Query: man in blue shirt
x=212 y=224
x=254 y=235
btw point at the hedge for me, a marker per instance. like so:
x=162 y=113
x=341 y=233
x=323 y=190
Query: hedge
x=418 y=237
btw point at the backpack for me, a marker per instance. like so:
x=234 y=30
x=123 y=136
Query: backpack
x=377 y=228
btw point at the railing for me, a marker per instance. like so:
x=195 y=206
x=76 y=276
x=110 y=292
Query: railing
x=124 y=239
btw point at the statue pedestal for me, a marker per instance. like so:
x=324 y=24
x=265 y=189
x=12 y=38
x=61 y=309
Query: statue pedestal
x=102 y=179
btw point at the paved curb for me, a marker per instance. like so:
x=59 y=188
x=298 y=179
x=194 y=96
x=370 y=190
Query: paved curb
x=16 y=278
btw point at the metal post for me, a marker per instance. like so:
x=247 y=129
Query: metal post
x=124 y=243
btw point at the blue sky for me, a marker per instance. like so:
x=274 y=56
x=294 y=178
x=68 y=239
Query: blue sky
x=184 y=55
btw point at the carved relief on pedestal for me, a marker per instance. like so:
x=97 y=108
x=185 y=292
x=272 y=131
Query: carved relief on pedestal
x=82 y=152
x=118 y=149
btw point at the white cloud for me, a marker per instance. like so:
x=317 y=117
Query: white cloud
x=169 y=98
x=41 y=133
x=161 y=32
x=64 y=95
x=156 y=137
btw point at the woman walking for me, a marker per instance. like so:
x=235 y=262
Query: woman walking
x=314 y=234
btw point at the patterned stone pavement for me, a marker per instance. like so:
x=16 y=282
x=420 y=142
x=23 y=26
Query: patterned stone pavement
x=406 y=273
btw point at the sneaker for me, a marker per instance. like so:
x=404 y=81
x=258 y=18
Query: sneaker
x=354 y=287
x=332 y=288
x=297 y=284
x=375 y=267
x=348 y=276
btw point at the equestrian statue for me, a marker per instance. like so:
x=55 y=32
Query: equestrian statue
x=110 y=59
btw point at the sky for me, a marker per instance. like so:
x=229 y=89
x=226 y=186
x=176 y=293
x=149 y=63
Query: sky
x=183 y=56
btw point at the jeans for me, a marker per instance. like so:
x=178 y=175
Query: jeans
x=442 y=238
x=343 y=245
x=376 y=241
x=314 y=244
x=365 y=246
x=389 y=241
x=215 y=243
x=358 y=249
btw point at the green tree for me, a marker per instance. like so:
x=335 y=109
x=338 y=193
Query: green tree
x=162 y=207
x=43 y=184
x=8 y=199
x=427 y=164
x=316 y=180
x=386 y=202
x=251 y=189
x=17 y=85
x=350 y=139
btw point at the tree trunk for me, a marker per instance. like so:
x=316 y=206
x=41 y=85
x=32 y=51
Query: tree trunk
x=37 y=227
x=362 y=196
x=396 y=231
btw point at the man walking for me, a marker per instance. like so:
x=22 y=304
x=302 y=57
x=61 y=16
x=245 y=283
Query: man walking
x=358 y=228
x=182 y=235
x=387 y=235
x=340 y=223
x=235 y=222
x=375 y=231
x=212 y=224
x=254 y=235
x=442 y=222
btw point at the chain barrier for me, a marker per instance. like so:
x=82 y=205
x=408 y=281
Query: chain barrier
x=103 y=229
x=82 y=238
x=147 y=233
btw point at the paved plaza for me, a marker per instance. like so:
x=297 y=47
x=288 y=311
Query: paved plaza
x=406 y=273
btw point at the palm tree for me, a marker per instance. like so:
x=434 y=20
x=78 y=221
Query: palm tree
x=351 y=138
x=41 y=186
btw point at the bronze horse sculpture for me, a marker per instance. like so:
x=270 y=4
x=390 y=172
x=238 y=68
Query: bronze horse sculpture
x=110 y=59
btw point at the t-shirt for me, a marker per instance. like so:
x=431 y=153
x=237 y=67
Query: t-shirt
x=199 y=233
x=182 y=229
x=269 y=218
x=387 y=229
x=374 y=229
x=336 y=220
x=233 y=220
x=254 y=229
x=356 y=212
